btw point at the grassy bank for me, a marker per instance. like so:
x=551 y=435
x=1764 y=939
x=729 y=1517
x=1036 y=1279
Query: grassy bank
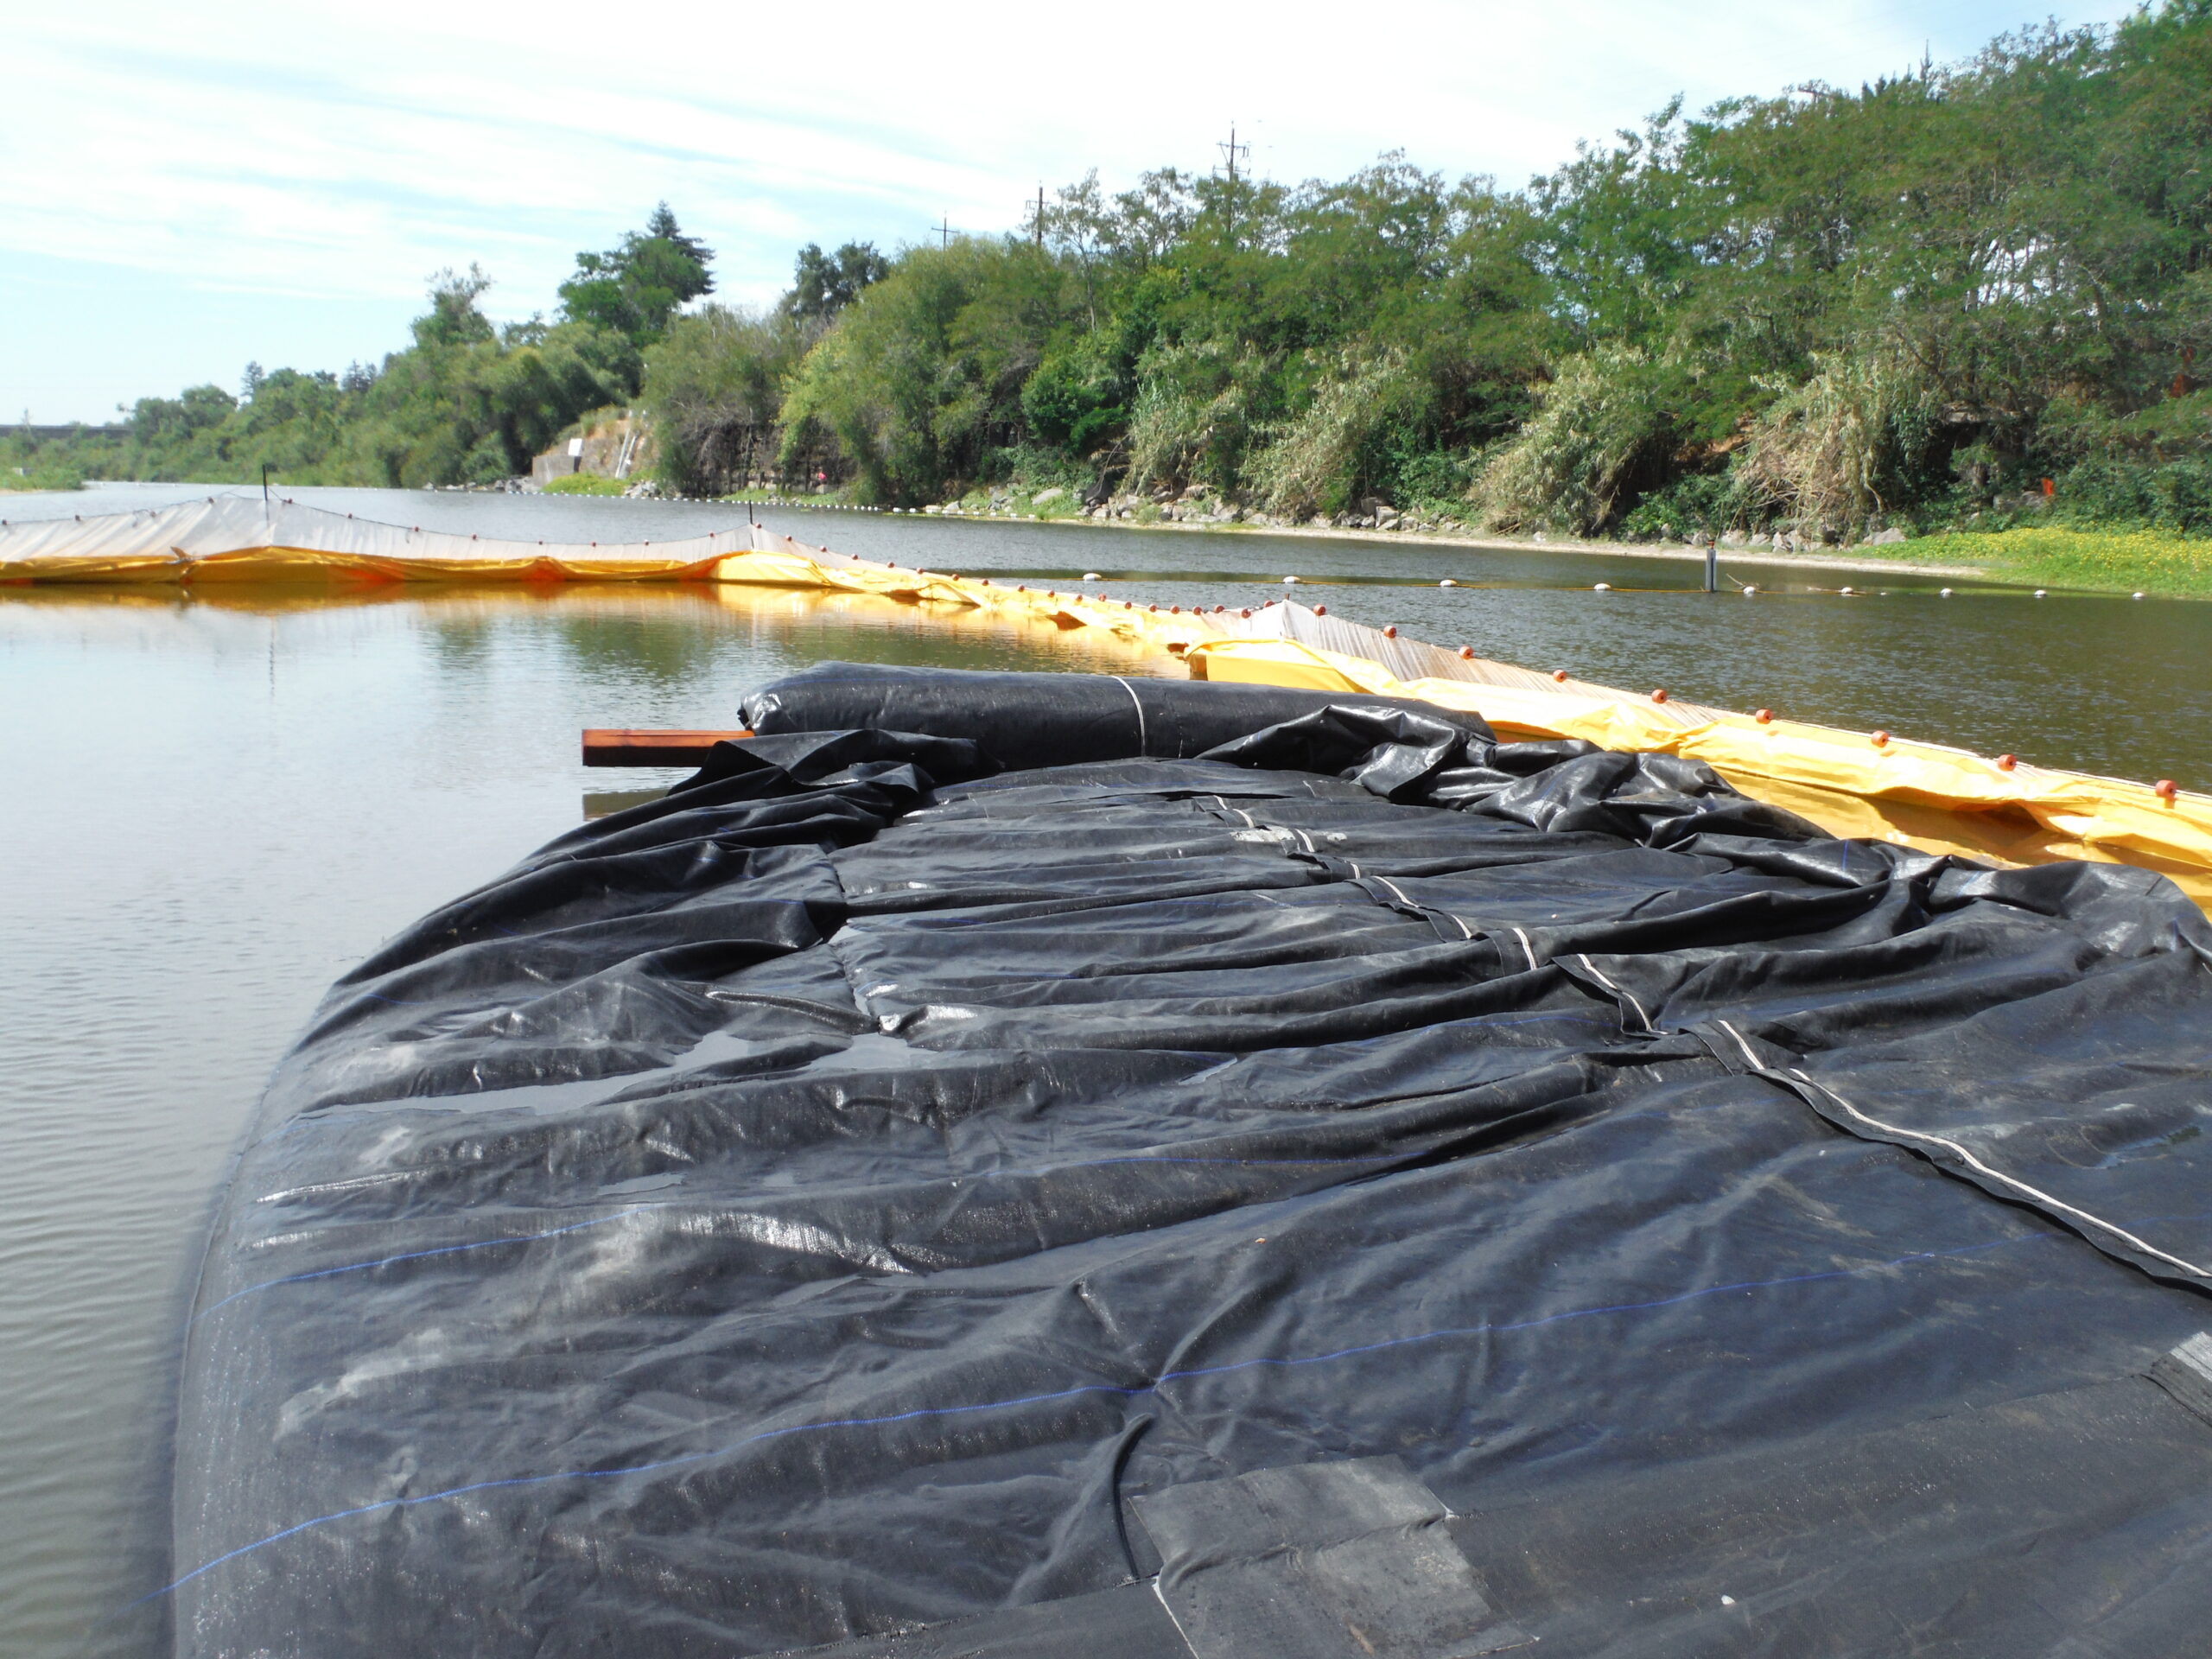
x=587 y=484
x=41 y=478
x=2115 y=561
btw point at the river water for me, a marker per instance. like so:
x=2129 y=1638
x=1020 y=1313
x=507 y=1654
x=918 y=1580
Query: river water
x=208 y=811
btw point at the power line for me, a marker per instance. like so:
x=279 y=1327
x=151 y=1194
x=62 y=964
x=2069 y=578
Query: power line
x=1230 y=151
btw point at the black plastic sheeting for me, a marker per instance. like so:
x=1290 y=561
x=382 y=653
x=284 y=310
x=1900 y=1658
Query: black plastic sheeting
x=836 y=1198
x=1046 y=720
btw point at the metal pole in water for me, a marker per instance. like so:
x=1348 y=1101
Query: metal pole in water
x=1713 y=567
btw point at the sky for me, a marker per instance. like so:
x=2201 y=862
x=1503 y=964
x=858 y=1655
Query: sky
x=183 y=189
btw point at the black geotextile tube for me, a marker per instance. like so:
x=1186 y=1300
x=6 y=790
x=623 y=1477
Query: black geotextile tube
x=823 y=1202
x=1045 y=720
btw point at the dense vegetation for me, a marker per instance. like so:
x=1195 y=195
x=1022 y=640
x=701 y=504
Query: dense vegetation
x=1909 y=303
x=466 y=402
x=1913 y=300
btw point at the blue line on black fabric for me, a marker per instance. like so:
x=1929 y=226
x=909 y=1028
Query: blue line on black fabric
x=1167 y=1158
x=639 y=1209
x=969 y=1175
x=1125 y=1390
x=414 y=1255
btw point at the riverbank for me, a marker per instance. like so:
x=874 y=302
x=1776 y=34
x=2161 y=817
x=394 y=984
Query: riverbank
x=22 y=480
x=2148 y=561
x=1548 y=544
x=2156 y=564
x=2100 y=561
x=2151 y=562
x=2064 y=558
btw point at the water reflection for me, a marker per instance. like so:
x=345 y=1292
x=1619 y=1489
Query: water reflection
x=605 y=803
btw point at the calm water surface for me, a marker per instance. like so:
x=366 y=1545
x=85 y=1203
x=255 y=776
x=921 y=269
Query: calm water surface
x=207 y=812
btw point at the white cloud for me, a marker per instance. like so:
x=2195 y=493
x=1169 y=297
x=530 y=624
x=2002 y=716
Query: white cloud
x=338 y=153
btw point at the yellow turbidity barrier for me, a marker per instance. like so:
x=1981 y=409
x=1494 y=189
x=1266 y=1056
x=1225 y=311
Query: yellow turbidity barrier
x=1921 y=794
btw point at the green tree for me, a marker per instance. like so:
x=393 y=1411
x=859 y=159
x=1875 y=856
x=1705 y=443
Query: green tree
x=822 y=284
x=635 y=288
x=715 y=385
x=917 y=371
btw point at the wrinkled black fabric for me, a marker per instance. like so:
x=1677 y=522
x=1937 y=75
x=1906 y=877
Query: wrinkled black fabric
x=1044 y=720
x=817 y=1203
x=2068 y=1523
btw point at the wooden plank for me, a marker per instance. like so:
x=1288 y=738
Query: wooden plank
x=622 y=747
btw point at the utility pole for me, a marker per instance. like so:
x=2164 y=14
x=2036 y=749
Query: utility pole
x=944 y=233
x=1230 y=151
x=1041 y=219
